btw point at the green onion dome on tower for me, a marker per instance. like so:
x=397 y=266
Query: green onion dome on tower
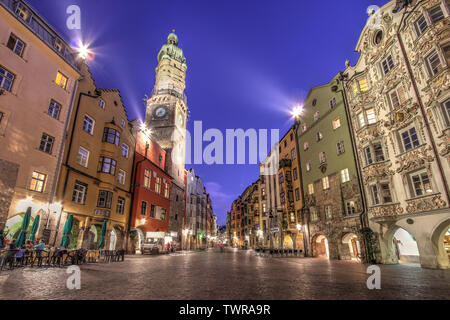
x=171 y=50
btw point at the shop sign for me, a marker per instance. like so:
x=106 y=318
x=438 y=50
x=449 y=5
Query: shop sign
x=159 y=235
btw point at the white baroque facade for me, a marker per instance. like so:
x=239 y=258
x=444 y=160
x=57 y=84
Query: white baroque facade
x=399 y=102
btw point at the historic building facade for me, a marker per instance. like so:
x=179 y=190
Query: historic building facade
x=166 y=117
x=95 y=178
x=333 y=201
x=39 y=73
x=151 y=185
x=399 y=102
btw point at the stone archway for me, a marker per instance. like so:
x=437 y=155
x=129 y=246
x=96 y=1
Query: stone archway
x=320 y=246
x=351 y=247
x=440 y=239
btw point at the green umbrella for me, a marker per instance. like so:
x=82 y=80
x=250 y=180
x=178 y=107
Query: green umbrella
x=20 y=241
x=101 y=243
x=65 y=240
x=34 y=228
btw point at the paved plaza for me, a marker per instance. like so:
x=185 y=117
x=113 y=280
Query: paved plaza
x=233 y=274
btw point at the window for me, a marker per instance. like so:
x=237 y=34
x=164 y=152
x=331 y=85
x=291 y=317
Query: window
x=58 y=45
x=434 y=63
x=147 y=178
x=436 y=14
x=291 y=136
x=293 y=154
x=162 y=214
x=378 y=37
x=421 y=25
x=310 y=188
x=101 y=103
x=37 y=181
x=88 y=124
x=290 y=196
x=122 y=176
x=122 y=123
x=333 y=103
x=325 y=183
x=143 y=208
x=6 y=79
x=308 y=165
x=316 y=115
x=23 y=12
x=313 y=214
x=166 y=190
x=107 y=165
x=120 y=209
x=363 y=86
x=16 y=45
x=371 y=116
x=375 y=196
x=368 y=153
x=152 y=211
x=158 y=185
x=340 y=147
x=322 y=157
x=361 y=120
x=281 y=178
x=378 y=149
x=83 y=157
x=305 y=146
x=294 y=173
x=446 y=50
x=297 y=194
x=282 y=197
x=355 y=89
x=388 y=64
x=445 y=111
x=46 y=143
x=319 y=136
x=397 y=97
x=304 y=127
x=421 y=184
x=54 y=109
x=385 y=193
x=111 y=136
x=61 y=80
x=79 y=192
x=288 y=176
x=345 y=175
x=104 y=199
x=409 y=139
x=1 y=117
x=125 y=149
x=350 y=207
x=328 y=212
x=336 y=123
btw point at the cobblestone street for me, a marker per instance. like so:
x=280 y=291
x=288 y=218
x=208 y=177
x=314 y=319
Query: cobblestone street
x=230 y=275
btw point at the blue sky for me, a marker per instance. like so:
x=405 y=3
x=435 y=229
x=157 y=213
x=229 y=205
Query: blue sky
x=249 y=61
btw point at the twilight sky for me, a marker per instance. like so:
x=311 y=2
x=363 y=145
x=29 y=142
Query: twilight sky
x=249 y=61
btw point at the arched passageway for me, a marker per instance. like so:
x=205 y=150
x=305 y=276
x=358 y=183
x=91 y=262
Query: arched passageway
x=405 y=247
x=441 y=244
x=287 y=242
x=351 y=247
x=320 y=246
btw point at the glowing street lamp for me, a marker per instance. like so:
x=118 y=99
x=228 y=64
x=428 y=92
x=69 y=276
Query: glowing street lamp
x=299 y=227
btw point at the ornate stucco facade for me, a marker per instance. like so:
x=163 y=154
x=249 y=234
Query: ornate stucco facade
x=398 y=94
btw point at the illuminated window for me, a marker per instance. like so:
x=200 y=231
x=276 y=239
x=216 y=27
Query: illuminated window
x=122 y=176
x=325 y=183
x=158 y=185
x=350 y=207
x=304 y=127
x=61 y=80
x=371 y=119
x=355 y=89
x=147 y=178
x=310 y=188
x=79 y=192
x=345 y=175
x=313 y=214
x=166 y=190
x=322 y=157
x=316 y=115
x=6 y=79
x=421 y=184
x=308 y=165
x=120 y=209
x=328 y=212
x=23 y=12
x=54 y=109
x=336 y=123
x=16 y=45
x=83 y=157
x=104 y=199
x=305 y=146
x=38 y=181
x=363 y=86
x=319 y=136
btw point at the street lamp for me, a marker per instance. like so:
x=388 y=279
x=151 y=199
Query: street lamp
x=297 y=111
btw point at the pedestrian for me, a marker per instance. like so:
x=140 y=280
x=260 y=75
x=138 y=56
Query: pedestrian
x=12 y=245
x=41 y=245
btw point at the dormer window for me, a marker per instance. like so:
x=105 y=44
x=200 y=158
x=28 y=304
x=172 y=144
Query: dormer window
x=378 y=37
x=59 y=46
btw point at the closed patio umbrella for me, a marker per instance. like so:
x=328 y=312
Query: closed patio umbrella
x=20 y=241
x=101 y=243
x=34 y=228
x=65 y=240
